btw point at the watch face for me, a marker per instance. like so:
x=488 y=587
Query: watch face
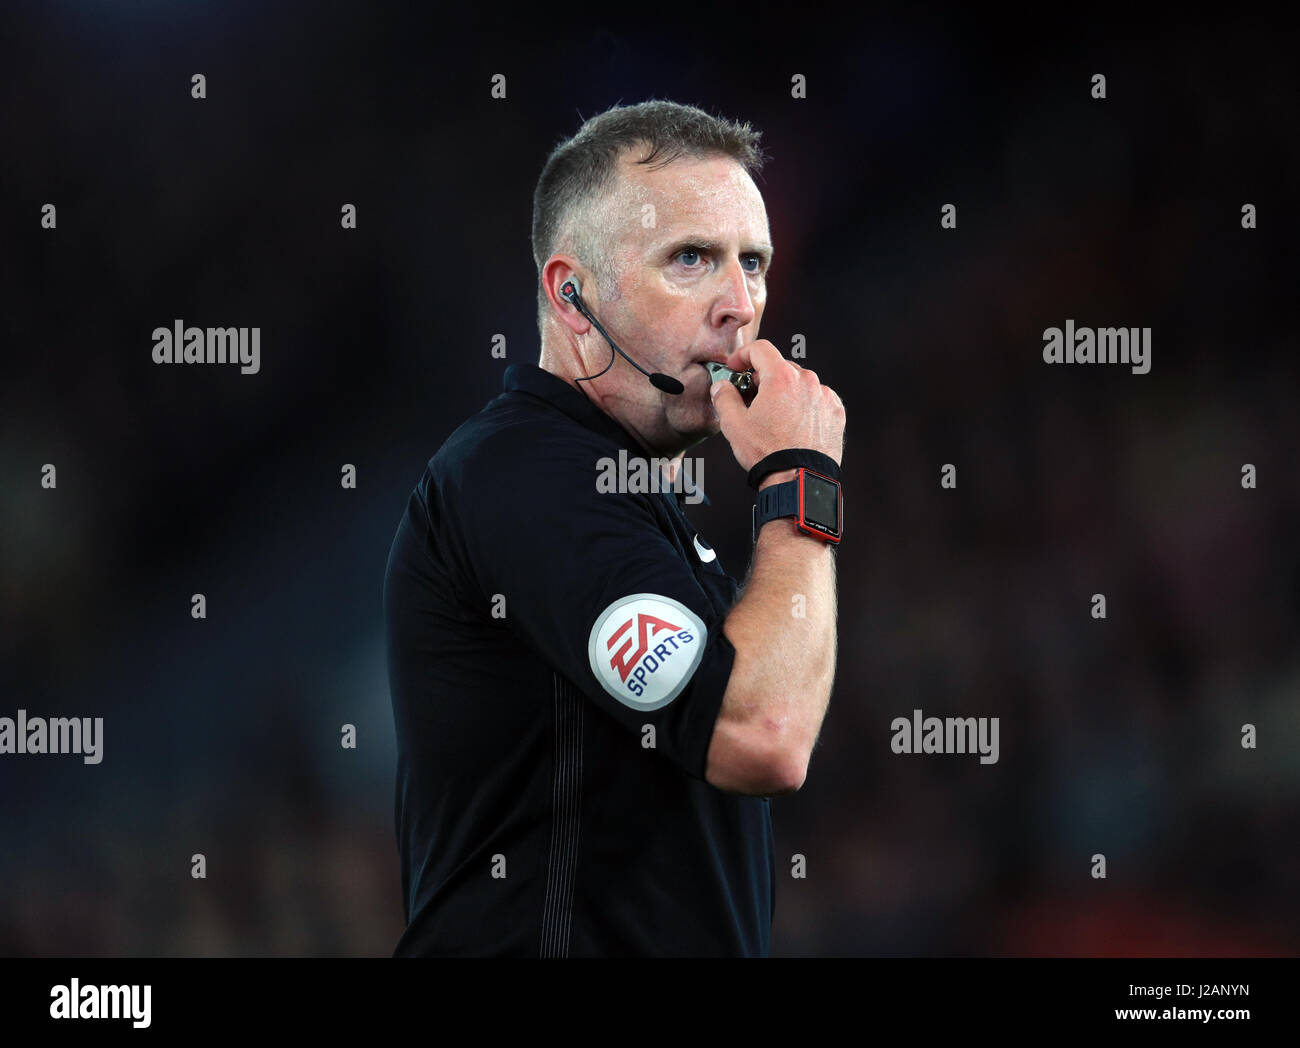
x=821 y=503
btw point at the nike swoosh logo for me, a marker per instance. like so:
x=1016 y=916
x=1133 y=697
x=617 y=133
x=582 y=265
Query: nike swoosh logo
x=706 y=553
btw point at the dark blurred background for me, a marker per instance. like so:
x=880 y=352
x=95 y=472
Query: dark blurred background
x=222 y=736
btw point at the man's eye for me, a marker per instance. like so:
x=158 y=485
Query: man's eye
x=688 y=251
x=758 y=262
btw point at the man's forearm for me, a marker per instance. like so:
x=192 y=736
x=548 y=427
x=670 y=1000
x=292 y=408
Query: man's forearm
x=784 y=631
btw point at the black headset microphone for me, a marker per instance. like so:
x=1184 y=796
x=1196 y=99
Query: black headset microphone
x=570 y=291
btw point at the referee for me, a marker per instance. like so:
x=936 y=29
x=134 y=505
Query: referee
x=591 y=714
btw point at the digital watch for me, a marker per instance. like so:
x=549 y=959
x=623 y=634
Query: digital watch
x=813 y=498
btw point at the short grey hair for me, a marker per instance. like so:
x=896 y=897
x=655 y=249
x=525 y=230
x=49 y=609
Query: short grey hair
x=581 y=171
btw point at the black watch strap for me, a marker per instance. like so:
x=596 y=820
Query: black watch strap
x=789 y=458
x=776 y=501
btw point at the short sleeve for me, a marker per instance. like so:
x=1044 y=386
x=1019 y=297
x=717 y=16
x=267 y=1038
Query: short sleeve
x=594 y=585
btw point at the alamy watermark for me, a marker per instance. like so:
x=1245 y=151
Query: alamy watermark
x=25 y=734
x=640 y=476
x=179 y=344
x=1108 y=345
x=74 y=1001
x=946 y=735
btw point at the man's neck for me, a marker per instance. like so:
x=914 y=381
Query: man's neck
x=549 y=364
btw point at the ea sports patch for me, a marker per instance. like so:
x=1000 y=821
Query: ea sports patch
x=644 y=648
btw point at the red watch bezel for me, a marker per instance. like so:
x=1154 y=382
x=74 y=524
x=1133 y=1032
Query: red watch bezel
x=811 y=527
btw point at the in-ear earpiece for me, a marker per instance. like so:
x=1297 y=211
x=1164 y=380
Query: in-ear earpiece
x=570 y=290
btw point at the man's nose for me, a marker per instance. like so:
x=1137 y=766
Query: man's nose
x=735 y=301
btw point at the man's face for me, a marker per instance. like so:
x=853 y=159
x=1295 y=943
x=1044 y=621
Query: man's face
x=690 y=249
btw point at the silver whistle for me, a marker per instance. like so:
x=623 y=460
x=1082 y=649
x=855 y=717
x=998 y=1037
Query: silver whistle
x=742 y=380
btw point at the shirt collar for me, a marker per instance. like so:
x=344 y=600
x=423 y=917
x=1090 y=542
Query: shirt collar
x=540 y=383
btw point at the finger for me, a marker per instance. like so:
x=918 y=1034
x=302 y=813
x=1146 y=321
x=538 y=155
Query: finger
x=738 y=360
x=758 y=356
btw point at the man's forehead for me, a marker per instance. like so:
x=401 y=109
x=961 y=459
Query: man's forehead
x=707 y=195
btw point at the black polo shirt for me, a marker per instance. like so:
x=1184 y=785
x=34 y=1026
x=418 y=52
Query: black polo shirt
x=557 y=663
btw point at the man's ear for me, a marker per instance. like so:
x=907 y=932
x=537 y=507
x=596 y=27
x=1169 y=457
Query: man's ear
x=557 y=270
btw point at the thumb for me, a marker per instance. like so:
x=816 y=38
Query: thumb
x=726 y=401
